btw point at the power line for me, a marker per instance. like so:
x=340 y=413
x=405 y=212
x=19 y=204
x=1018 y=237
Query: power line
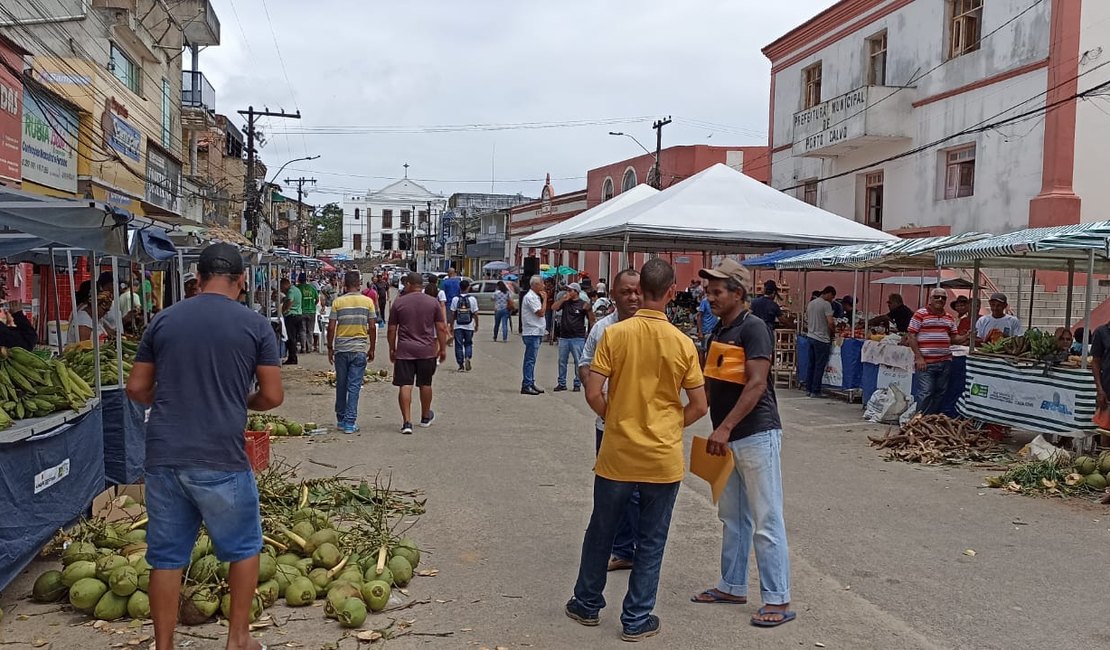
x=284 y=72
x=436 y=180
x=450 y=128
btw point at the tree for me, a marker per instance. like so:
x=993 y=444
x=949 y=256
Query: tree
x=329 y=227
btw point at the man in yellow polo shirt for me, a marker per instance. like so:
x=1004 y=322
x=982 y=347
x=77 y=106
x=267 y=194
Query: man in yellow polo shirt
x=352 y=340
x=648 y=363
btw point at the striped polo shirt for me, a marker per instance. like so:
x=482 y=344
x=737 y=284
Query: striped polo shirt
x=353 y=313
x=934 y=334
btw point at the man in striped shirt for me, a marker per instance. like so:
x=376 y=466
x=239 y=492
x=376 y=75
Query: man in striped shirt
x=932 y=332
x=351 y=343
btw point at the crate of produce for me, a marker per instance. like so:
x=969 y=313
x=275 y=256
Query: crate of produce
x=258 y=449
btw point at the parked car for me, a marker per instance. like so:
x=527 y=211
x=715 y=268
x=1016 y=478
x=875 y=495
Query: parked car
x=483 y=291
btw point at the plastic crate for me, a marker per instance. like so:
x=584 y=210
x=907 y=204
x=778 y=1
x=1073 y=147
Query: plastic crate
x=258 y=449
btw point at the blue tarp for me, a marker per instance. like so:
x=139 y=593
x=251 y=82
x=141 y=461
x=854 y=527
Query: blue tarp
x=124 y=439
x=36 y=502
x=851 y=350
x=768 y=260
x=956 y=380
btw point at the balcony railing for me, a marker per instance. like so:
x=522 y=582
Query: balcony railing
x=196 y=92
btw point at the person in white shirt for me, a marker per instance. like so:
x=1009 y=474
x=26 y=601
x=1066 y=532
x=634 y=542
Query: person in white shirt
x=82 y=323
x=533 y=327
x=997 y=321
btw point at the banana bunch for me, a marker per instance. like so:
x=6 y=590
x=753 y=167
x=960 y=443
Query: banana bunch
x=80 y=357
x=33 y=387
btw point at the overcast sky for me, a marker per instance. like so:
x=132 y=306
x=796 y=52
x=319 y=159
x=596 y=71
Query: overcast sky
x=352 y=63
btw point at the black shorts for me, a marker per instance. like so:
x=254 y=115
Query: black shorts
x=408 y=371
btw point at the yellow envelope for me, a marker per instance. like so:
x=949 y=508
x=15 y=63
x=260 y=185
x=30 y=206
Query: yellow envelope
x=714 y=469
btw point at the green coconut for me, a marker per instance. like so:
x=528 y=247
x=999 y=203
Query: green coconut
x=79 y=552
x=206 y=569
x=48 y=588
x=284 y=575
x=223 y=571
x=110 y=607
x=1104 y=462
x=337 y=595
x=326 y=555
x=141 y=564
x=321 y=536
x=255 y=424
x=144 y=580
x=316 y=517
x=267 y=567
x=112 y=537
x=376 y=594
x=279 y=429
x=269 y=591
x=107 y=564
x=1084 y=465
x=409 y=554
x=78 y=570
x=303 y=529
x=300 y=592
x=86 y=593
x=198 y=604
x=288 y=558
x=256 y=607
x=310 y=426
x=402 y=570
x=1095 y=481
x=294 y=429
x=138 y=605
x=136 y=536
x=385 y=575
x=304 y=565
x=320 y=579
x=124 y=581
x=202 y=547
x=352 y=613
x=352 y=575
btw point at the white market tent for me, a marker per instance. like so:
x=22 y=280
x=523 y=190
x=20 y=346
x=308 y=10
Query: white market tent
x=550 y=237
x=719 y=210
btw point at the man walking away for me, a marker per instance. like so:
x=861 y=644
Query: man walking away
x=932 y=332
x=532 y=327
x=310 y=300
x=352 y=340
x=820 y=326
x=626 y=295
x=464 y=322
x=291 y=310
x=576 y=320
x=196 y=465
x=451 y=287
x=648 y=363
x=417 y=336
x=746 y=424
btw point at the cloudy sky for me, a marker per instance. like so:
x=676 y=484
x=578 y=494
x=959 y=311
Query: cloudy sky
x=361 y=71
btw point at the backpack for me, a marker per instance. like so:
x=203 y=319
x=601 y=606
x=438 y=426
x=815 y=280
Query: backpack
x=463 y=315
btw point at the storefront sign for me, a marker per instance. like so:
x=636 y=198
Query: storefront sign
x=11 y=122
x=163 y=180
x=119 y=134
x=1026 y=397
x=49 y=143
x=830 y=122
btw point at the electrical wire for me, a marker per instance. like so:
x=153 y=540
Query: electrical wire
x=285 y=73
x=455 y=128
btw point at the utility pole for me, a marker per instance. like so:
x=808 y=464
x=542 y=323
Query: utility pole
x=658 y=125
x=300 y=192
x=252 y=209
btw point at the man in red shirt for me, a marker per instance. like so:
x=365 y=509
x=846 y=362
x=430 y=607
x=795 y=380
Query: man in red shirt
x=962 y=306
x=931 y=335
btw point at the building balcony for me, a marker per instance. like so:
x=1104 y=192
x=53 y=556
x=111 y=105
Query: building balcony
x=196 y=92
x=202 y=25
x=851 y=121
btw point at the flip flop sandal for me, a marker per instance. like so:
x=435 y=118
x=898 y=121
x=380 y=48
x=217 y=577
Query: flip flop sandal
x=716 y=597
x=787 y=616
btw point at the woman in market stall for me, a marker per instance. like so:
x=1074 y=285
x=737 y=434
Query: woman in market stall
x=82 y=323
x=16 y=330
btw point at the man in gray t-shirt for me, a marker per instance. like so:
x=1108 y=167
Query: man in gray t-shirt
x=819 y=329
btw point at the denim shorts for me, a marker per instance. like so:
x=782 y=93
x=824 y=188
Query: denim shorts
x=178 y=500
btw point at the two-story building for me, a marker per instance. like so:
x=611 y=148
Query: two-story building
x=920 y=116
x=393 y=222
x=473 y=230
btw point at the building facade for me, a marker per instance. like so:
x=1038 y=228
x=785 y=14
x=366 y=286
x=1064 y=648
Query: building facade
x=393 y=222
x=931 y=116
x=474 y=229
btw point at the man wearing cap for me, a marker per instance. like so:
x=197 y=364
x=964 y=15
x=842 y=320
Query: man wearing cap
x=197 y=469
x=898 y=316
x=291 y=312
x=820 y=326
x=766 y=307
x=997 y=324
x=962 y=307
x=191 y=285
x=575 y=321
x=746 y=425
x=932 y=332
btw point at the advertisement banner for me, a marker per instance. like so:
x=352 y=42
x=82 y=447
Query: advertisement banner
x=163 y=180
x=49 y=143
x=1057 y=401
x=119 y=134
x=834 y=372
x=11 y=122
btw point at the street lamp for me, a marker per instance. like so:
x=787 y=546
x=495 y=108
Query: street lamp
x=655 y=156
x=271 y=182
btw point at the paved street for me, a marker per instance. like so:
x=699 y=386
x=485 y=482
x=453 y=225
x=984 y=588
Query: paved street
x=877 y=548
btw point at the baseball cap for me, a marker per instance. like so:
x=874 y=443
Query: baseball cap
x=220 y=259
x=960 y=300
x=1000 y=297
x=770 y=286
x=727 y=269
x=188 y=277
x=575 y=286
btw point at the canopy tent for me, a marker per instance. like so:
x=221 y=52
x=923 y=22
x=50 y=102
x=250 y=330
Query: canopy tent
x=899 y=255
x=29 y=222
x=769 y=260
x=719 y=210
x=550 y=237
x=1055 y=248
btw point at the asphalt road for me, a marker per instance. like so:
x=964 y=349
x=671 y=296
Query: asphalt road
x=877 y=548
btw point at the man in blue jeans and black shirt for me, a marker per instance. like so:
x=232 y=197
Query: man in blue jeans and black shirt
x=197 y=366
x=746 y=424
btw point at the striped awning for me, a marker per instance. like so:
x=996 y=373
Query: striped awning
x=771 y=259
x=823 y=258
x=1041 y=248
x=901 y=255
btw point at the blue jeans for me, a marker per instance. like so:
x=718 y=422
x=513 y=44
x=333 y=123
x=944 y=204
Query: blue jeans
x=751 y=506
x=531 y=351
x=349 y=369
x=570 y=348
x=501 y=323
x=610 y=502
x=931 y=386
x=624 y=544
x=464 y=345
x=818 y=360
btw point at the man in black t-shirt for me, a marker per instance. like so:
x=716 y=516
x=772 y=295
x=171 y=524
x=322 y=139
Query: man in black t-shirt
x=746 y=424
x=899 y=316
x=766 y=307
x=575 y=321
